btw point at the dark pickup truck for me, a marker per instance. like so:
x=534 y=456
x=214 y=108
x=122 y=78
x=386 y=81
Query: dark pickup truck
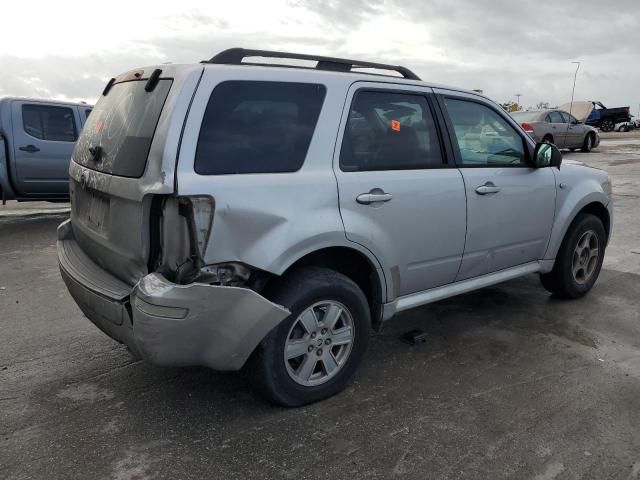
x=597 y=115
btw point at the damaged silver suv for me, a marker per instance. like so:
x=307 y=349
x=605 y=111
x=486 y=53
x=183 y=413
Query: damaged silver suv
x=235 y=215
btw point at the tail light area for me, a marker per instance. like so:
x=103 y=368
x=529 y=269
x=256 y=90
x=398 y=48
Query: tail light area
x=527 y=128
x=181 y=230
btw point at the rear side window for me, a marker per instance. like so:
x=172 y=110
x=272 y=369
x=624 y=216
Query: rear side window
x=49 y=123
x=257 y=127
x=390 y=131
x=556 y=117
x=122 y=124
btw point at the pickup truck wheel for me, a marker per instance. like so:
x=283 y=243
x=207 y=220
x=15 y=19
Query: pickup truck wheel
x=607 y=125
x=579 y=260
x=588 y=143
x=312 y=353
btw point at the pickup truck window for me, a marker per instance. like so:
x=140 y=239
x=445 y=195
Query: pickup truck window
x=258 y=127
x=484 y=138
x=49 y=123
x=390 y=131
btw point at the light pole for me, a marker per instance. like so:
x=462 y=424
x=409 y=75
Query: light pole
x=575 y=76
x=518 y=95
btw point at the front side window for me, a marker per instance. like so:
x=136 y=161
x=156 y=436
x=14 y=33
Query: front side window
x=390 y=131
x=566 y=118
x=49 y=123
x=484 y=138
x=258 y=127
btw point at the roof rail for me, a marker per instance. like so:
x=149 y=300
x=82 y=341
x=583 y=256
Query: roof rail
x=234 y=56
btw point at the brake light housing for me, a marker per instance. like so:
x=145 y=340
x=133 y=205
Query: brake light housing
x=527 y=128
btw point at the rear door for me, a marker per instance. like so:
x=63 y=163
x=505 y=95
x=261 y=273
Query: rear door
x=124 y=159
x=558 y=129
x=398 y=195
x=510 y=206
x=43 y=139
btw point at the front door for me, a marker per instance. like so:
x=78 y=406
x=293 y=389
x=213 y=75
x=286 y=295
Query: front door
x=575 y=131
x=510 y=206
x=43 y=139
x=398 y=196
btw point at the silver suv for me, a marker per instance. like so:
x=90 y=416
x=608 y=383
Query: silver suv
x=234 y=214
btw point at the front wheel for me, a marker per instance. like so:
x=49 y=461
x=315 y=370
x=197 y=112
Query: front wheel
x=579 y=259
x=587 y=145
x=313 y=353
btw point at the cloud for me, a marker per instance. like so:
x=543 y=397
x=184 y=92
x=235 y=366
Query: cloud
x=503 y=46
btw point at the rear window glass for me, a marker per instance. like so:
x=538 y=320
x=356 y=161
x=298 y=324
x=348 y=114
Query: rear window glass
x=49 y=123
x=525 y=116
x=122 y=124
x=257 y=127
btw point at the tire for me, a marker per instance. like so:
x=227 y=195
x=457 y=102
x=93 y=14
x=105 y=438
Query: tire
x=607 y=125
x=587 y=145
x=562 y=281
x=287 y=382
x=547 y=139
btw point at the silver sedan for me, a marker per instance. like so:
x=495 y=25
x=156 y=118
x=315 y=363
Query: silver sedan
x=558 y=127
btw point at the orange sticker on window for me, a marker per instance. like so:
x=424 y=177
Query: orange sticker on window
x=395 y=125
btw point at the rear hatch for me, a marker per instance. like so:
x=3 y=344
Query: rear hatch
x=125 y=157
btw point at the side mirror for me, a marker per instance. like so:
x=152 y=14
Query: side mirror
x=547 y=155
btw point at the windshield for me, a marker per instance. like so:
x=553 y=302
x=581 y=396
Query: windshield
x=525 y=116
x=118 y=133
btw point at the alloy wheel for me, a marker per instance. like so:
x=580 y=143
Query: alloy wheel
x=319 y=343
x=585 y=257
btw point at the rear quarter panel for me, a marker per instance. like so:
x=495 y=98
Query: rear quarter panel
x=269 y=221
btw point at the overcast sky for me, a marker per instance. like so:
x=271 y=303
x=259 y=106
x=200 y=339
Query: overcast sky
x=70 y=49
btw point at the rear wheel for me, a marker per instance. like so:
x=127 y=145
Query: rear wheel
x=547 y=139
x=311 y=354
x=588 y=143
x=579 y=259
x=607 y=125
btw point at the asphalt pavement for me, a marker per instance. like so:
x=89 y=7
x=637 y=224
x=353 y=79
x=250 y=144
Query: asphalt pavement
x=511 y=383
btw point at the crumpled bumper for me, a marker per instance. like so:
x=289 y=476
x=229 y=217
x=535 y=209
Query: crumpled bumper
x=165 y=323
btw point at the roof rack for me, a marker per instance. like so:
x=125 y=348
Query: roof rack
x=234 y=56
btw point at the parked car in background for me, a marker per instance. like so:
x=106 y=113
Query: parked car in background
x=36 y=141
x=232 y=215
x=597 y=115
x=559 y=128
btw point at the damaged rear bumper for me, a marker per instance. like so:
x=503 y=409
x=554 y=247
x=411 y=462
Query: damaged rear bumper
x=165 y=323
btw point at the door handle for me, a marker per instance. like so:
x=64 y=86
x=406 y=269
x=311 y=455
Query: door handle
x=487 y=188
x=29 y=148
x=375 y=195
